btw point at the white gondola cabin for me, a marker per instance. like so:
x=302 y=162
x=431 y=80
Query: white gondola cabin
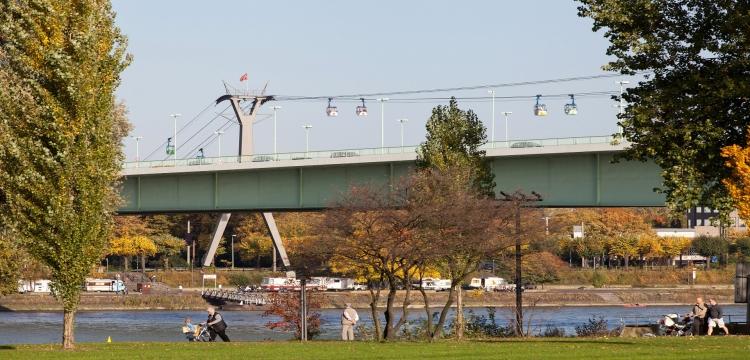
x=539 y=108
x=571 y=108
x=331 y=110
x=362 y=109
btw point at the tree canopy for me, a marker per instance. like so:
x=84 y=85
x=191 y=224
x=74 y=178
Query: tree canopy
x=60 y=135
x=454 y=137
x=693 y=102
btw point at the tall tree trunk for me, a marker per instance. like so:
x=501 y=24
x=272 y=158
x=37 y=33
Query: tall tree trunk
x=443 y=315
x=404 y=309
x=68 y=338
x=375 y=297
x=257 y=262
x=126 y=260
x=627 y=261
x=427 y=311
x=388 y=332
x=459 y=314
x=143 y=263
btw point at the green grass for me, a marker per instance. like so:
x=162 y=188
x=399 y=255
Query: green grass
x=719 y=347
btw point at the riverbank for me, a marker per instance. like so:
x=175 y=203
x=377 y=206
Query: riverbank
x=551 y=296
x=720 y=347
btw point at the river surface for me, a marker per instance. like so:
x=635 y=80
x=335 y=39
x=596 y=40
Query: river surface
x=46 y=327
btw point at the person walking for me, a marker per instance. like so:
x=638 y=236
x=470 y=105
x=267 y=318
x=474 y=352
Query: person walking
x=349 y=318
x=216 y=325
x=715 y=318
x=699 y=316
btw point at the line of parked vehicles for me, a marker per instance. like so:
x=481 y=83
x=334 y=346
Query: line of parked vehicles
x=90 y=285
x=320 y=283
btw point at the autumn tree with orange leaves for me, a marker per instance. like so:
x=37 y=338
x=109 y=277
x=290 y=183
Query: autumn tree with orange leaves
x=737 y=159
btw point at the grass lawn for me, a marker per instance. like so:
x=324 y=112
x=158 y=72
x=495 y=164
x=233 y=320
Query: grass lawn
x=718 y=347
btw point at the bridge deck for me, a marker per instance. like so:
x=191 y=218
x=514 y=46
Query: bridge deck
x=569 y=172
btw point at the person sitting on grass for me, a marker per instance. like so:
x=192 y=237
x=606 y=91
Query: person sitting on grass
x=715 y=318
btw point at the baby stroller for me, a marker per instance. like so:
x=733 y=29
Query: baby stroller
x=200 y=334
x=671 y=325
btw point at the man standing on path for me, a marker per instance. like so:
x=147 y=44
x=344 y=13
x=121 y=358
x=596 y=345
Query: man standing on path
x=216 y=325
x=715 y=318
x=699 y=316
x=349 y=318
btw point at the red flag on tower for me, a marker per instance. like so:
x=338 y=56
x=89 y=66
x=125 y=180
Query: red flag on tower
x=243 y=77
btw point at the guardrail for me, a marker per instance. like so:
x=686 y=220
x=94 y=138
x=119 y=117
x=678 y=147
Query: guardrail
x=347 y=153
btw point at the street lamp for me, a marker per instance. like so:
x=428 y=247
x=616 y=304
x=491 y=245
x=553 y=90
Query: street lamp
x=275 y=107
x=402 y=121
x=137 y=150
x=622 y=101
x=307 y=139
x=218 y=134
x=492 y=92
x=507 y=113
x=174 y=138
x=382 y=123
x=233 y=236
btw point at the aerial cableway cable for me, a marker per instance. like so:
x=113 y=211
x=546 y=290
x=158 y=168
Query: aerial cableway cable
x=462 y=88
x=164 y=143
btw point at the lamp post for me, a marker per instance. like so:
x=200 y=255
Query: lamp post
x=492 y=92
x=307 y=138
x=275 y=107
x=218 y=134
x=137 y=150
x=174 y=138
x=233 y=236
x=382 y=123
x=507 y=137
x=622 y=101
x=402 y=121
x=519 y=200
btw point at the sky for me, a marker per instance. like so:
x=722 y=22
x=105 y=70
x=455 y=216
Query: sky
x=183 y=50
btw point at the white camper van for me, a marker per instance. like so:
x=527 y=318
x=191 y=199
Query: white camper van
x=35 y=286
x=488 y=283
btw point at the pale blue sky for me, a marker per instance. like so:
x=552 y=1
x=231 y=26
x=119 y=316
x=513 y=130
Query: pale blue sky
x=184 y=49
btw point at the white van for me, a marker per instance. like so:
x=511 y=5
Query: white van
x=339 y=284
x=488 y=283
x=35 y=286
x=104 y=285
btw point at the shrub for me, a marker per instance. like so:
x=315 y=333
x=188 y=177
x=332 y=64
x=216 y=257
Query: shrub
x=238 y=279
x=594 y=327
x=553 y=331
x=286 y=308
x=598 y=279
x=485 y=326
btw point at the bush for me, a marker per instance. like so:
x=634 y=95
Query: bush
x=485 y=326
x=598 y=279
x=553 y=331
x=237 y=279
x=594 y=327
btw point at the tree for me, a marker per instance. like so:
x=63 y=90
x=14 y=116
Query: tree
x=143 y=247
x=60 y=135
x=9 y=266
x=368 y=231
x=454 y=137
x=122 y=246
x=738 y=180
x=458 y=227
x=168 y=246
x=694 y=101
x=254 y=239
x=709 y=247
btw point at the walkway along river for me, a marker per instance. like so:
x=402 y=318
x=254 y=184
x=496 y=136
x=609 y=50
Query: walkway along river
x=45 y=327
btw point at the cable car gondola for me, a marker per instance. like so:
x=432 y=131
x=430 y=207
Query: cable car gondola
x=170 y=147
x=331 y=110
x=362 y=110
x=540 y=109
x=572 y=108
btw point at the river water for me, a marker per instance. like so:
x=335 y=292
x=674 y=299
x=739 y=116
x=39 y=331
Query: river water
x=46 y=327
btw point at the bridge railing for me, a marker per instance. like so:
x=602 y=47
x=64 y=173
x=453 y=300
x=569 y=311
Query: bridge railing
x=261 y=158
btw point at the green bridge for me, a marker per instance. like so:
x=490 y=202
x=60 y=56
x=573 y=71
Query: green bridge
x=570 y=172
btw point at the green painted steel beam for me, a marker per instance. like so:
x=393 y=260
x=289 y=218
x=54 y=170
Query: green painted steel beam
x=576 y=179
